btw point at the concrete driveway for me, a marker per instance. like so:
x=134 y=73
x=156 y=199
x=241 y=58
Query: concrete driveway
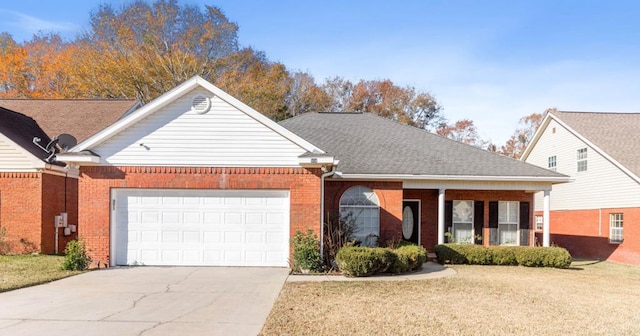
x=146 y=301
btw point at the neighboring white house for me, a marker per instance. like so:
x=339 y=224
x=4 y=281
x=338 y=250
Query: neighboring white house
x=597 y=215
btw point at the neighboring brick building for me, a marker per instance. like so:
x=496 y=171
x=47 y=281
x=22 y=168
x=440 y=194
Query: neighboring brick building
x=34 y=187
x=597 y=215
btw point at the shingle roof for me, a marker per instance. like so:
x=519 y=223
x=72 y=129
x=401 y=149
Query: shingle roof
x=617 y=134
x=81 y=118
x=368 y=144
x=21 y=130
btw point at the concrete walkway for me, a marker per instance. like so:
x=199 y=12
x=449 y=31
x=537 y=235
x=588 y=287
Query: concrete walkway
x=146 y=301
x=430 y=270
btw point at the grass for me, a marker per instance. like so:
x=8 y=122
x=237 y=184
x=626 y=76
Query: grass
x=17 y=271
x=597 y=298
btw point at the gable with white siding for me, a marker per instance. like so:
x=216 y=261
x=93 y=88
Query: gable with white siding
x=15 y=158
x=603 y=185
x=174 y=135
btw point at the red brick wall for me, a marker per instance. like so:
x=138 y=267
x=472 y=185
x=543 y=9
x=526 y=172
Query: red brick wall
x=389 y=194
x=585 y=233
x=429 y=208
x=96 y=183
x=20 y=204
x=53 y=201
x=28 y=204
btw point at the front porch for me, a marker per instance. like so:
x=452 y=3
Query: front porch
x=430 y=216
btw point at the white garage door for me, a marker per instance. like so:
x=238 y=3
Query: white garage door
x=200 y=227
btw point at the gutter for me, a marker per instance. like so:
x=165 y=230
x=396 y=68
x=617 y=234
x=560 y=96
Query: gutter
x=322 y=177
x=395 y=177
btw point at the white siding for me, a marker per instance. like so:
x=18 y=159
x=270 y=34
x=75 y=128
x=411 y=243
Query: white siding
x=224 y=136
x=602 y=185
x=13 y=158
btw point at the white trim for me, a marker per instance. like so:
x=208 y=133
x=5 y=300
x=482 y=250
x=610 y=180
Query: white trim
x=559 y=179
x=545 y=124
x=78 y=158
x=455 y=178
x=174 y=94
x=441 y=219
x=419 y=216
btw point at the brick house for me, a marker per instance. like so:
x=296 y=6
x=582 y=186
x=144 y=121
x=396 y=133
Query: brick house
x=196 y=177
x=597 y=214
x=34 y=188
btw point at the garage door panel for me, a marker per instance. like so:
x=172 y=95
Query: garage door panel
x=201 y=227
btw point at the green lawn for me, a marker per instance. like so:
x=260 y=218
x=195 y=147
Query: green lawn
x=17 y=271
x=590 y=298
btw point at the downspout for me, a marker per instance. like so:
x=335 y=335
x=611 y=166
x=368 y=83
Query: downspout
x=322 y=177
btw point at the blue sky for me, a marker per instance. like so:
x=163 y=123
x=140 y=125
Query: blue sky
x=490 y=61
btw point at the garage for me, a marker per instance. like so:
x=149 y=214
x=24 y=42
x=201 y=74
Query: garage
x=186 y=227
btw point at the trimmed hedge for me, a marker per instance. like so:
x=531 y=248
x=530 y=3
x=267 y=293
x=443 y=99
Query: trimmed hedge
x=366 y=261
x=409 y=258
x=530 y=256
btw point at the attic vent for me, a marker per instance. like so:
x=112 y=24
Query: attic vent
x=200 y=104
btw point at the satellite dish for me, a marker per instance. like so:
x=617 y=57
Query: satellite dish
x=66 y=141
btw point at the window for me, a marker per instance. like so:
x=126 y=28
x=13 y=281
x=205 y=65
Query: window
x=615 y=228
x=539 y=222
x=508 y=223
x=462 y=222
x=363 y=205
x=582 y=159
x=552 y=163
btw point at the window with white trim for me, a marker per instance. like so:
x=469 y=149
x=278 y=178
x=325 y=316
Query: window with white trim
x=364 y=207
x=539 y=222
x=615 y=228
x=552 y=163
x=508 y=220
x=582 y=159
x=462 y=221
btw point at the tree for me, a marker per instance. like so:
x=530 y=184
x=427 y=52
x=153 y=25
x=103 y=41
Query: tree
x=518 y=142
x=145 y=50
x=249 y=76
x=13 y=68
x=339 y=91
x=306 y=96
x=462 y=131
x=385 y=99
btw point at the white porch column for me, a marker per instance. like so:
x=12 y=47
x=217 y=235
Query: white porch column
x=546 y=238
x=441 y=216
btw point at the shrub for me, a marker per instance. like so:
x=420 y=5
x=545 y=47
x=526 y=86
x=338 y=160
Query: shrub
x=365 y=261
x=5 y=246
x=338 y=232
x=396 y=243
x=409 y=258
x=503 y=255
x=306 y=252
x=75 y=256
x=451 y=253
x=545 y=257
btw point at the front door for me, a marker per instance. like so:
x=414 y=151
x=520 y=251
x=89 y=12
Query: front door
x=411 y=221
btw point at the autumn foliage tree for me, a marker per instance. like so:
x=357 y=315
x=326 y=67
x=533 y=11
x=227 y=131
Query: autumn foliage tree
x=518 y=142
x=142 y=50
x=463 y=131
x=384 y=98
